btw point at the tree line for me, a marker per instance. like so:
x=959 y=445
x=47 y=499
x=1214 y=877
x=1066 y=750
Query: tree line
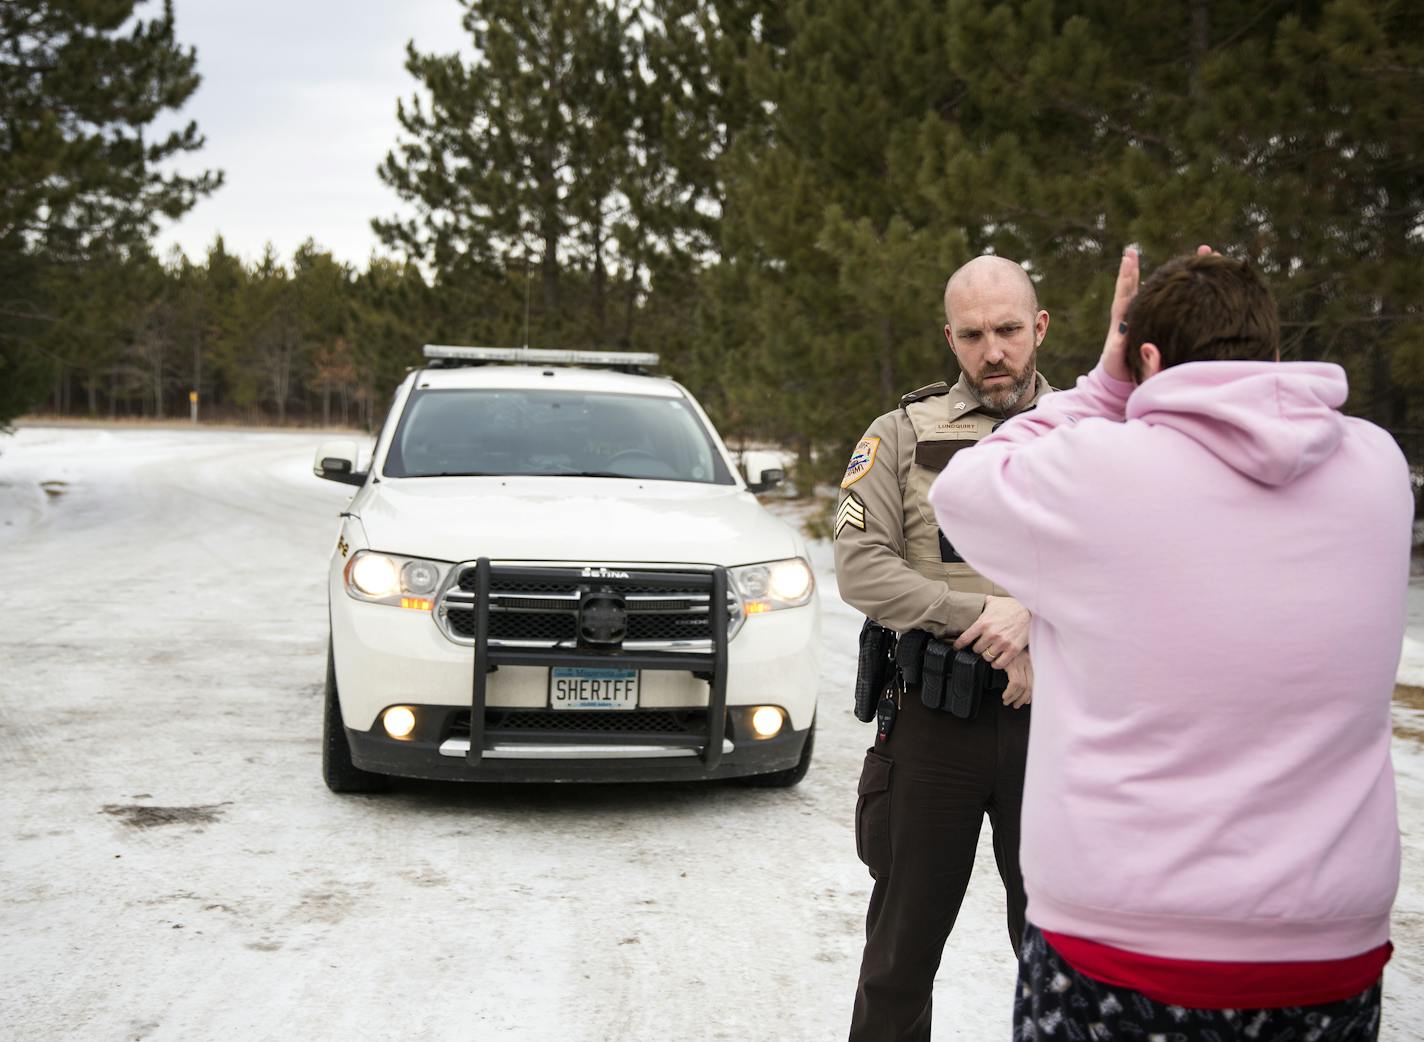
x=769 y=194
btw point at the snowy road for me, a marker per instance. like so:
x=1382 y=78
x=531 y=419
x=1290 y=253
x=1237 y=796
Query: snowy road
x=173 y=868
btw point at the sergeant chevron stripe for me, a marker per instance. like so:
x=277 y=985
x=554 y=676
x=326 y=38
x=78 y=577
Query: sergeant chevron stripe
x=851 y=512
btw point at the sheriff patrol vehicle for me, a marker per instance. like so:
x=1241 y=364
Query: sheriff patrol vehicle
x=553 y=571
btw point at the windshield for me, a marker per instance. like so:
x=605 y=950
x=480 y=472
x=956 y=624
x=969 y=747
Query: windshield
x=536 y=432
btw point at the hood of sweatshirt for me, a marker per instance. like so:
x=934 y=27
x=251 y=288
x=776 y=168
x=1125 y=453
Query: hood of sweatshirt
x=1272 y=421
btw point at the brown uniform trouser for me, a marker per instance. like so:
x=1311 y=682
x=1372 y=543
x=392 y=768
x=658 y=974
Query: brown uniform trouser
x=923 y=795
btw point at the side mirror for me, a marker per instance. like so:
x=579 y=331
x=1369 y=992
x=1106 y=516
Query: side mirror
x=336 y=461
x=764 y=470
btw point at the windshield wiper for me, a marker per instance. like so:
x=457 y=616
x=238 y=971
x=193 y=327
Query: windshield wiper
x=462 y=474
x=528 y=474
x=584 y=474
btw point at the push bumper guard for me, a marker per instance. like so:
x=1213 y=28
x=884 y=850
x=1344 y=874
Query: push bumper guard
x=713 y=668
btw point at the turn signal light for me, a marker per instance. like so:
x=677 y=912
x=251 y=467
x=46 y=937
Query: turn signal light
x=418 y=603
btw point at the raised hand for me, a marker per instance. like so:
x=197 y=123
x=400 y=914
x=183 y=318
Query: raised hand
x=1114 y=360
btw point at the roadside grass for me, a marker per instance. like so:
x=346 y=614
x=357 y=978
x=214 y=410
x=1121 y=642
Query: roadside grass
x=176 y=423
x=815 y=514
x=1411 y=724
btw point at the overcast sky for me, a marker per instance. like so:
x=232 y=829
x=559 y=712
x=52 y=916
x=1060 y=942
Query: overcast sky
x=298 y=105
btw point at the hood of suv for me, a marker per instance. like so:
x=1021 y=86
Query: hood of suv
x=571 y=519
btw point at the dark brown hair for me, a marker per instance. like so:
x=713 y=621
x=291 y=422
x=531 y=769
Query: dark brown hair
x=1203 y=309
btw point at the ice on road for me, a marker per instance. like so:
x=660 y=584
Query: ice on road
x=174 y=869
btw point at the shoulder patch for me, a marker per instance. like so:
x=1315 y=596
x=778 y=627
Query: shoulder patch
x=928 y=391
x=851 y=512
x=861 y=461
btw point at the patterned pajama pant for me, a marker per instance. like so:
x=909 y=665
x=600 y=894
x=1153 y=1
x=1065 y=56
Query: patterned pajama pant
x=1056 y=1003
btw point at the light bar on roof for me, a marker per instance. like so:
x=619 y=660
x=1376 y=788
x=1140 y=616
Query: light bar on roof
x=539 y=356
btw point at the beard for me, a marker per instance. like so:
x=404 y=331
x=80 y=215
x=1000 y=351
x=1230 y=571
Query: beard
x=1001 y=398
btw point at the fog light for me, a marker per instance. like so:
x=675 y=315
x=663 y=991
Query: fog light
x=766 y=721
x=399 y=721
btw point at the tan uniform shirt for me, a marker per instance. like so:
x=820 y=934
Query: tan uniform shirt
x=892 y=562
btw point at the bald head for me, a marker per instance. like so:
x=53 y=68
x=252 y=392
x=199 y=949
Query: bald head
x=989 y=276
x=994 y=326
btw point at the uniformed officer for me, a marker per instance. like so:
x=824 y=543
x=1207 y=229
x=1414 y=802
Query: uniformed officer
x=931 y=776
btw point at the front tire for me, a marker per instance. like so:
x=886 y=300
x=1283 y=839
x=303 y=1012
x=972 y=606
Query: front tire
x=792 y=775
x=340 y=774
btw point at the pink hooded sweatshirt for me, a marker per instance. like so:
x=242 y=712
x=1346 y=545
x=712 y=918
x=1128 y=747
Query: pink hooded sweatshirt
x=1218 y=596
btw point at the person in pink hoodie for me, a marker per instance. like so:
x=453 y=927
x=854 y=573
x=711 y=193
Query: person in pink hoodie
x=1216 y=559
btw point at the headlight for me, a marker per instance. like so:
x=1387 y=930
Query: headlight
x=406 y=582
x=792 y=581
x=374 y=575
x=775 y=584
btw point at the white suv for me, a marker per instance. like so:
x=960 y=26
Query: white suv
x=553 y=573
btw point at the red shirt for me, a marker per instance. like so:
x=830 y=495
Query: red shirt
x=1223 y=985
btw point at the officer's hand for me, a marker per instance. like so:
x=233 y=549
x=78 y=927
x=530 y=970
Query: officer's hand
x=1019 y=693
x=1000 y=632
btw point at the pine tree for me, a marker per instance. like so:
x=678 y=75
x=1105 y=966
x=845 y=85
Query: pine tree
x=842 y=271
x=1291 y=136
x=905 y=138
x=694 y=102
x=81 y=82
x=388 y=323
x=515 y=162
x=321 y=297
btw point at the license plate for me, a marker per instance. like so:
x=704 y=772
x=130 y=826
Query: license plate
x=579 y=687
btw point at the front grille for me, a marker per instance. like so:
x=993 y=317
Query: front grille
x=530 y=722
x=467 y=583
x=545 y=627
x=545 y=614
x=668 y=626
